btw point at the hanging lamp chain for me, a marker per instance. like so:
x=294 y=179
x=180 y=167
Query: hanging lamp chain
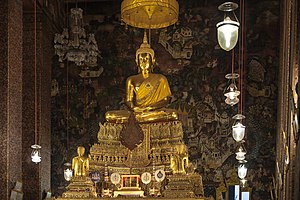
x=35 y=76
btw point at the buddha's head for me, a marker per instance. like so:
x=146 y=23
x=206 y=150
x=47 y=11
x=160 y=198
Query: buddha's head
x=80 y=151
x=145 y=56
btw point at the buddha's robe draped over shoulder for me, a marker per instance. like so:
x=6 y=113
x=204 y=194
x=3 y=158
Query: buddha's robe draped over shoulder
x=153 y=89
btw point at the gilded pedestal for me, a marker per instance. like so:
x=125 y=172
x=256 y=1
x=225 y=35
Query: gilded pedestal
x=162 y=140
x=81 y=187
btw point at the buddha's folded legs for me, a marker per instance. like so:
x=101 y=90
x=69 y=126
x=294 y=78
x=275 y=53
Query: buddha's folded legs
x=117 y=116
x=121 y=116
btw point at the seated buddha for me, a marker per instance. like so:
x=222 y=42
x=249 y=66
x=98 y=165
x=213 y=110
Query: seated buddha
x=147 y=93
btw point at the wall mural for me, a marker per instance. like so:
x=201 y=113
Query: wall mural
x=189 y=56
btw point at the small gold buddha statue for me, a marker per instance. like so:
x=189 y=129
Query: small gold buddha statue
x=80 y=163
x=147 y=93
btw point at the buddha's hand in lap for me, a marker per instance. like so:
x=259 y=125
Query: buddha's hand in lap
x=141 y=110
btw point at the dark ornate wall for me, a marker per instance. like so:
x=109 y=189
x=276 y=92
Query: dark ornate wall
x=197 y=80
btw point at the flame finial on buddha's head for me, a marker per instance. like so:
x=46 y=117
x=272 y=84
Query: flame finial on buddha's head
x=144 y=48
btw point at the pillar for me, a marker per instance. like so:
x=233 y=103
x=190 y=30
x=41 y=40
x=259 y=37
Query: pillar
x=11 y=15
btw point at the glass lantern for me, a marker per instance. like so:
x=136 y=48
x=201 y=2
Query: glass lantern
x=231 y=91
x=238 y=129
x=36 y=154
x=238 y=132
x=68 y=173
x=240 y=155
x=228 y=29
x=242 y=171
x=232 y=95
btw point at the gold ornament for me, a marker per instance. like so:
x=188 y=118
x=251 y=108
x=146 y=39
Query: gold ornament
x=149 y=14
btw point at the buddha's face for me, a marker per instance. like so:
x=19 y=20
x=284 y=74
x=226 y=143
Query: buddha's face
x=80 y=151
x=145 y=62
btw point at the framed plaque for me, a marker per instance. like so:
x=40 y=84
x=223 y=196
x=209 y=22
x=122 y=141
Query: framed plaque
x=159 y=175
x=146 y=178
x=115 y=178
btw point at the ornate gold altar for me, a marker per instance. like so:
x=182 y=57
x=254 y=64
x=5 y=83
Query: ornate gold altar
x=162 y=148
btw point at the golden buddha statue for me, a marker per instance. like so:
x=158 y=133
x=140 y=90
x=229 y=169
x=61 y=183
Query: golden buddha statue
x=81 y=185
x=80 y=163
x=148 y=134
x=147 y=93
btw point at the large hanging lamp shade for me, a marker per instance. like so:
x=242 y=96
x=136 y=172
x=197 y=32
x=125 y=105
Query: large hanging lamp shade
x=228 y=29
x=149 y=14
x=238 y=129
x=242 y=171
x=228 y=33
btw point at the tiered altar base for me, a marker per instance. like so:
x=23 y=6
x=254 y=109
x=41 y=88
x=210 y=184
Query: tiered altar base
x=80 y=187
x=162 y=143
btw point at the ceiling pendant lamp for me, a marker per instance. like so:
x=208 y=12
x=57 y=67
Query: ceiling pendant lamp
x=36 y=149
x=240 y=154
x=36 y=153
x=228 y=29
x=242 y=171
x=68 y=173
x=231 y=91
x=238 y=129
